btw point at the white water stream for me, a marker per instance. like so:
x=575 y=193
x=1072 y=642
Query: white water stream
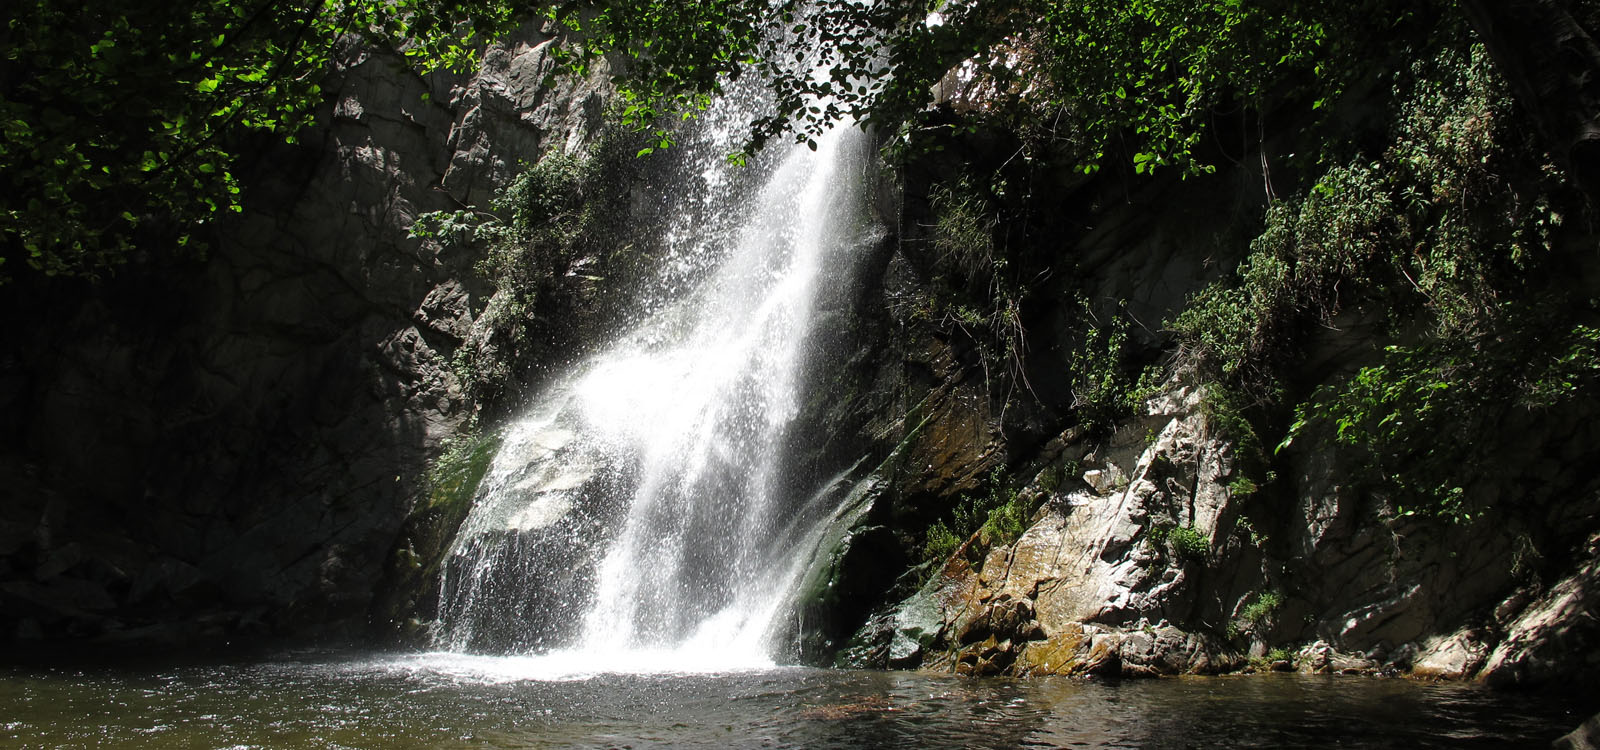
x=634 y=519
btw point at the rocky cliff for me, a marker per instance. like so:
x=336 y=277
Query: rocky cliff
x=229 y=447
x=1079 y=423
x=1032 y=505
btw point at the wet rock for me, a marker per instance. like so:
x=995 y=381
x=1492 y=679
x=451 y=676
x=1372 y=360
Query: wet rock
x=918 y=624
x=1061 y=653
x=1005 y=617
x=854 y=558
x=1557 y=636
x=1453 y=657
x=1169 y=650
x=447 y=310
x=1078 y=650
x=986 y=658
x=1321 y=657
x=1368 y=590
x=59 y=561
x=1585 y=737
x=164 y=579
x=1085 y=560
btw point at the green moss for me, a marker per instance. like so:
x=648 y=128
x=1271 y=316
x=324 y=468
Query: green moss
x=998 y=517
x=425 y=537
x=455 y=475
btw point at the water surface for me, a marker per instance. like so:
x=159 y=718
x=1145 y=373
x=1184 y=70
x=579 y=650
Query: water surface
x=450 y=701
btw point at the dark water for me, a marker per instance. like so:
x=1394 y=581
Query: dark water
x=439 y=702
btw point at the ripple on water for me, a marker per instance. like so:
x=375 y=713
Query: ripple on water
x=322 y=701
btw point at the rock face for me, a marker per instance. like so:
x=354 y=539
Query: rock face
x=1098 y=583
x=1585 y=737
x=1164 y=546
x=234 y=444
x=1555 y=634
x=1151 y=560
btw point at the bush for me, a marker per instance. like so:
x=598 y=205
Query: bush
x=1259 y=613
x=1185 y=542
x=1264 y=663
x=963 y=231
x=1420 y=414
x=1242 y=328
x=1449 y=219
x=1103 y=388
x=1000 y=514
x=979 y=298
x=1189 y=544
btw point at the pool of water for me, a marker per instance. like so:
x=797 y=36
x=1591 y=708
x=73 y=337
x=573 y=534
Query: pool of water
x=445 y=701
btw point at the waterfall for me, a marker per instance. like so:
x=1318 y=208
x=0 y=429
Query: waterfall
x=634 y=516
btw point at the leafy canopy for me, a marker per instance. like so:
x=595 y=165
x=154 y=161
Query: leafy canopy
x=123 y=120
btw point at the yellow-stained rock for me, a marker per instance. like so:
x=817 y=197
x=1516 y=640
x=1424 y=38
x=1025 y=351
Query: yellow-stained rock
x=1053 y=655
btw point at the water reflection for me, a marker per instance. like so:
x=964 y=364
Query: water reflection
x=418 y=702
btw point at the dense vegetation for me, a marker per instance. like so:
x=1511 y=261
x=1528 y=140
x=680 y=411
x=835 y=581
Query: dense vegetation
x=1418 y=202
x=1449 y=235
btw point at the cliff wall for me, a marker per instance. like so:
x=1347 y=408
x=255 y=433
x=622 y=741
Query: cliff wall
x=1101 y=423
x=229 y=448
x=1233 y=421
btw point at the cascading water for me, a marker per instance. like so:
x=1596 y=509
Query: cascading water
x=633 y=520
